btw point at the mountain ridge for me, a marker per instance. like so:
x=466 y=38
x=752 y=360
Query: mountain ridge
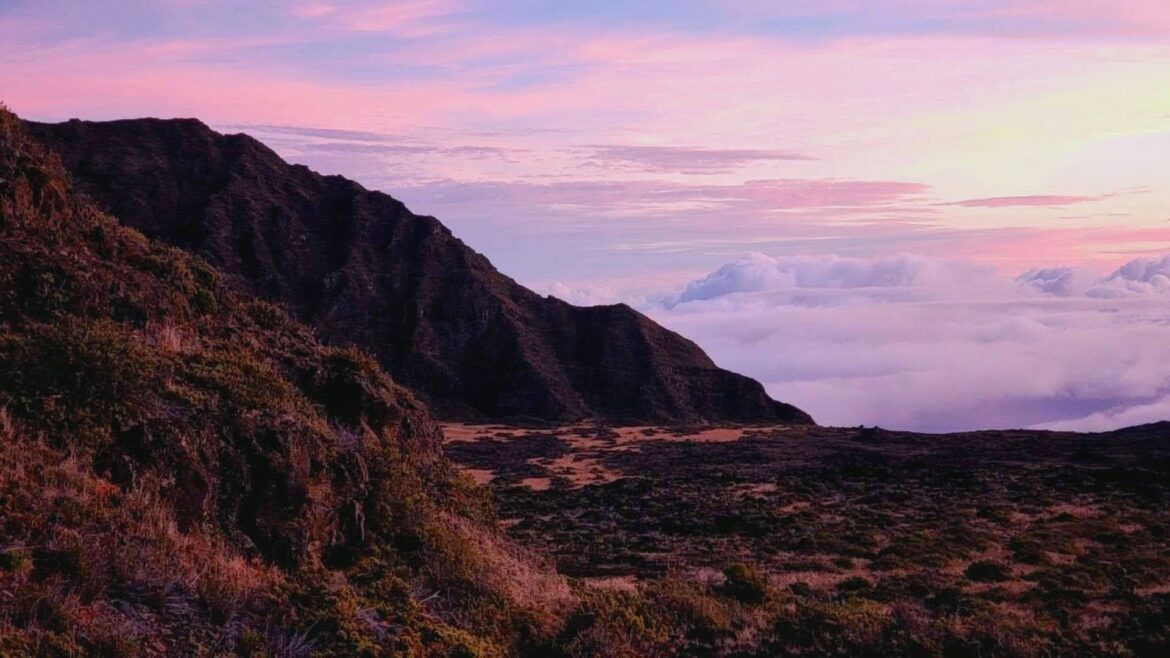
x=361 y=268
x=188 y=471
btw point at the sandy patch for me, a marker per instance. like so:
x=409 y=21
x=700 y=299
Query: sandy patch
x=754 y=488
x=537 y=484
x=578 y=442
x=710 y=435
x=1075 y=511
x=587 y=443
x=589 y=436
x=481 y=476
x=581 y=470
x=474 y=432
x=460 y=432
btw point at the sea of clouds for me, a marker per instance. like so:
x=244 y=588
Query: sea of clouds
x=927 y=344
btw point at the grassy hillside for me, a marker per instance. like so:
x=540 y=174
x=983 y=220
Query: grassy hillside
x=187 y=471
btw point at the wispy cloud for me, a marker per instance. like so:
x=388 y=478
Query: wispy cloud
x=1026 y=200
x=311 y=132
x=406 y=18
x=313 y=9
x=687 y=160
x=657 y=197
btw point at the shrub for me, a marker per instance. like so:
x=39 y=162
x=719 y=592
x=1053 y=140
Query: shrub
x=854 y=584
x=986 y=571
x=744 y=584
x=79 y=374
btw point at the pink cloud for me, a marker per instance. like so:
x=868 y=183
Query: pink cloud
x=1132 y=18
x=1051 y=18
x=412 y=18
x=753 y=202
x=1027 y=200
x=688 y=160
x=169 y=78
x=313 y=10
x=1020 y=248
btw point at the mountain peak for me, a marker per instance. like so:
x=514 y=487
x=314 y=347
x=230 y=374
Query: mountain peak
x=361 y=268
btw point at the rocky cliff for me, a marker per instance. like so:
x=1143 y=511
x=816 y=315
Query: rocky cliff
x=360 y=268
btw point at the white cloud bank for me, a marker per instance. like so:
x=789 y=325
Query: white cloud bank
x=911 y=342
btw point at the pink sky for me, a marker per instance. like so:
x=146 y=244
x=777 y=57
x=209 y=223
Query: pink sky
x=805 y=124
x=615 y=150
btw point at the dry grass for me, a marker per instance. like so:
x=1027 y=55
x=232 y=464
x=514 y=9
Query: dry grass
x=168 y=338
x=121 y=536
x=193 y=561
x=1075 y=510
x=628 y=584
x=7 y=425
x=528 y=578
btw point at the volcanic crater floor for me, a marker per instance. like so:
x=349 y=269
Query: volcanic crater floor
x=1047 y=528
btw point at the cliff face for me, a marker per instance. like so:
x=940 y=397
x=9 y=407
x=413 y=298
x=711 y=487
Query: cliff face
x=360 y=268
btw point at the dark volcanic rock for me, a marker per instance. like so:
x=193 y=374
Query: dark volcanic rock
x=361 y=268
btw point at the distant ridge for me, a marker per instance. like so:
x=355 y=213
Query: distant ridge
x=361 y=268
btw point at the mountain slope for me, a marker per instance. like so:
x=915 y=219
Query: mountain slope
x=186 y=470
x=361 y=268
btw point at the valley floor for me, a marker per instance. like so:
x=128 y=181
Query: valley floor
x=1047 y=535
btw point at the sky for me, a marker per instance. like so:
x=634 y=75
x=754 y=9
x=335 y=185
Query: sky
x=856 y=202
